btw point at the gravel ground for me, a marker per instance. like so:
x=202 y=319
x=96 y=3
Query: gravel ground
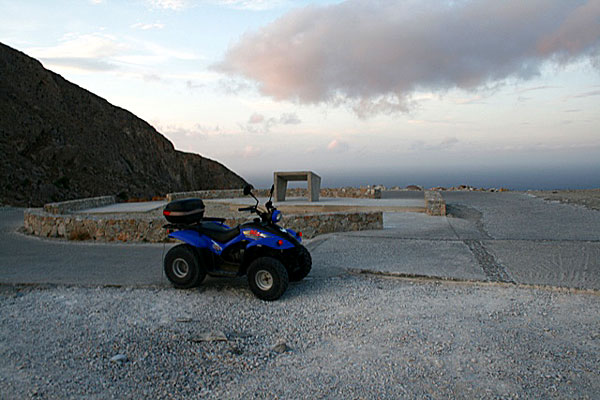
x=350 y=336
x=589 y=198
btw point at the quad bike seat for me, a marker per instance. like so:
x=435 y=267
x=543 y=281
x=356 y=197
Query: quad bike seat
x=218 y=232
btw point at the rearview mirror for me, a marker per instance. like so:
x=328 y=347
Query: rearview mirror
x=248 y=189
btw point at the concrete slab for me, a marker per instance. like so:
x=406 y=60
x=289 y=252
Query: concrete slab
x=434 y=258
x=513 y=215
x=125 y=208
x=410 y=225
x=567 y=264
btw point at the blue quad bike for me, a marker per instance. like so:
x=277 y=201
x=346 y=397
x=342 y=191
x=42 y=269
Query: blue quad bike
x=270 y=255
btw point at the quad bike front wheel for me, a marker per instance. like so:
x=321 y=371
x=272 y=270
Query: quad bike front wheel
x=303 y=265
x=268 y=278
x=183 y=268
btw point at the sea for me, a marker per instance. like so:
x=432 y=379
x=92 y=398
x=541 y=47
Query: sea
x=548 y=178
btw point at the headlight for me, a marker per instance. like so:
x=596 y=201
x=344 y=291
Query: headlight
x=276 y=216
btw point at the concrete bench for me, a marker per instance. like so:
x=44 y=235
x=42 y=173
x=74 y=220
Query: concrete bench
x=282 y=178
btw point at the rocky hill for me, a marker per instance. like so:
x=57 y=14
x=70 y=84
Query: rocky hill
x=59 y=141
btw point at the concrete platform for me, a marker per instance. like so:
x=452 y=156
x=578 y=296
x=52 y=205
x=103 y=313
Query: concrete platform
x=333 y=204
x=125 y=208
x=292 y=205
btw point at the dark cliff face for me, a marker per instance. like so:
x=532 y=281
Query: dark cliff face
x=59 y=142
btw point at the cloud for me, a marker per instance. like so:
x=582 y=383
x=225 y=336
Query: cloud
x=103 y=52
x=338 y=146
x=251 y=151
x=192 y=85
x=96 y=46
x=197 y=131
x=90 y=52
x=256 y=118
x=258 y=123
x=289 y=119
x=233 y=86
x=251 y=4
x=255 y=5
x=586 y=94
x=145 y=27
x=375 y=55
x=536 y=88
x=169 y=4
x=79 y=63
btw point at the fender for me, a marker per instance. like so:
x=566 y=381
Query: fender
x=202 y=241
x=197 y=240
x=272 y=242
x=191 y=237
x=259 y=237
x=294 y=234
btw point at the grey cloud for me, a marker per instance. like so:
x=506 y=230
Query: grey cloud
x=233 y=86
x=289 y=119
x=256 y=119
x=192 y=85
x=586 y=94
x=532 y=89
x=152 y=78
x=258 y=123
x=373 y=55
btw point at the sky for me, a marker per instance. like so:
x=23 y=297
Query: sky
x=429 y=92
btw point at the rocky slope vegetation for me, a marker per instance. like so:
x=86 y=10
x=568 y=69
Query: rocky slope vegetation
x=59 y=141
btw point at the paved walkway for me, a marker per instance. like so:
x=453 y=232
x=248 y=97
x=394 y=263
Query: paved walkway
x=502 y=237
x=28 y=259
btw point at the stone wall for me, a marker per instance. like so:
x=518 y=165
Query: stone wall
x=206 y=194
x=87 y=227
x=434 y=203
x=65 y=207
x=150 y=229
x=357 y=193
x=312 y=225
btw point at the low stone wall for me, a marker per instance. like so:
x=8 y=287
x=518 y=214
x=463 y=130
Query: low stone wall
x=65 y=207
x=357 y=193
x=206 y=194
x=312 y=225
x=88 y=227
x=434 y=203
x=150 y=229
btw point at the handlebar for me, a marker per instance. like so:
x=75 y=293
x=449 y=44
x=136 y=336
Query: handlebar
x=264 y=215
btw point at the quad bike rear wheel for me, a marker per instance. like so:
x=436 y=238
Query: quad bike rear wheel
x=183 y=268
x=267 y=278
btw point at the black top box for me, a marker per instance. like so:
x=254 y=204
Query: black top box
x=186 y=211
